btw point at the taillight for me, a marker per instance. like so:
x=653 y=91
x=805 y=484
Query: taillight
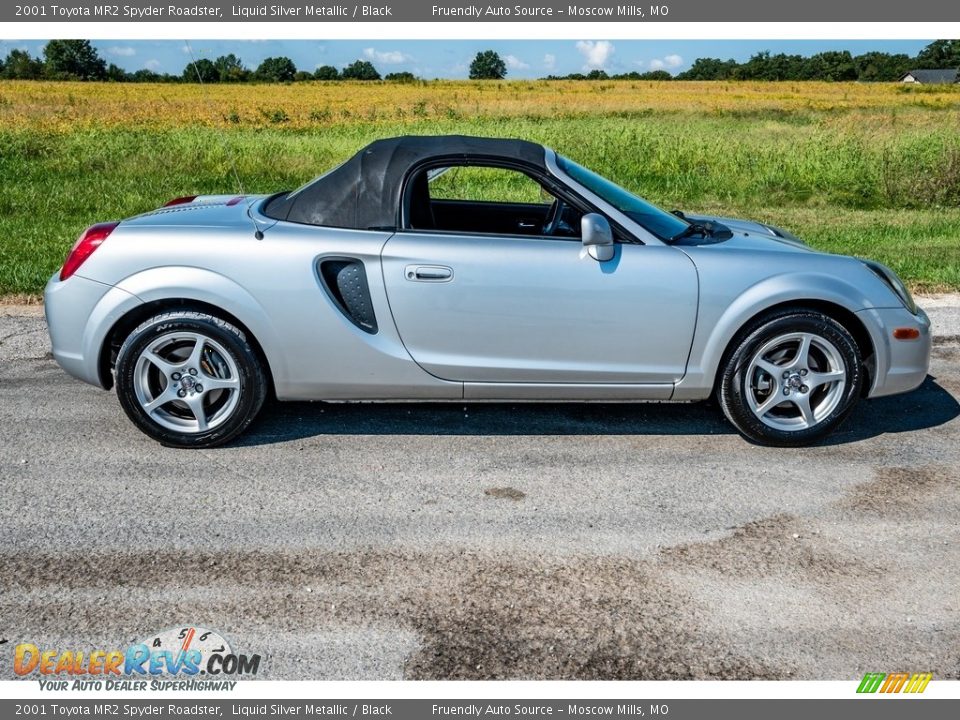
x=181 y=200
x=89 y=240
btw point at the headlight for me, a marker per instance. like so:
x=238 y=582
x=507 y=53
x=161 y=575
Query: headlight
x=894 y=283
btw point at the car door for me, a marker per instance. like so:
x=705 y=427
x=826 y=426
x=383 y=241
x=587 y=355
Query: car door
x=516 y=307
x=513 y=309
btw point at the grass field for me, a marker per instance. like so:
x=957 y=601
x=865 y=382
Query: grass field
x=871 y=170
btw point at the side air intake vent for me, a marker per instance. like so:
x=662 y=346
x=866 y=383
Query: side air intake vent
x=345 y=281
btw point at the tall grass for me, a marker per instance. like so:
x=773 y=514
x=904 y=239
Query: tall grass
x=851 y=170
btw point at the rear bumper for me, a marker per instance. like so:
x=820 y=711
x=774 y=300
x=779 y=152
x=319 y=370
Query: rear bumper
x=900 y=365
x=80 y=313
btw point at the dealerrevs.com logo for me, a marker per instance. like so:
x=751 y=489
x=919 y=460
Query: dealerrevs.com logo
x=183 y=658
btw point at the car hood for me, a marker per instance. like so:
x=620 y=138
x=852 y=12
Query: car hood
x=750 y=234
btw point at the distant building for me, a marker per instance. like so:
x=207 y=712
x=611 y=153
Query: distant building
x=944 y=76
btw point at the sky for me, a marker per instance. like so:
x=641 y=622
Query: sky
x=451 y=58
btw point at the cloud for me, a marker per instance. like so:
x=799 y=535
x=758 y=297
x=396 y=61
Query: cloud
x=121 y=51
x=550 y=61
x=153 y=65
x=391 y=57
x=515 y=63
x=670 y=61
x=596 y=55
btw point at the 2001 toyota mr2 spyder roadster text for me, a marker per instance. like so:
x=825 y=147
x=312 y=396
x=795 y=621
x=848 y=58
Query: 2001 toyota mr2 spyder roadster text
x=392 y=277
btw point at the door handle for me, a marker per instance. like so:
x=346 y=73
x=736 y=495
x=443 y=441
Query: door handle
x=428 y=273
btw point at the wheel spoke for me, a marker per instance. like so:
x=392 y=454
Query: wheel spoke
x=769 y=368
x=165 y=367
x=803 y=405
x=803 y=352
x=195 y=403
x=196 y=354
x=771 y=402
x=815 y=379
x=215 y=383
x=163 y=398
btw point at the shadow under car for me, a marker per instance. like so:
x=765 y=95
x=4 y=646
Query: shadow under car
x=928 y=406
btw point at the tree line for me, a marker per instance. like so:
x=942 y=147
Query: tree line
x=79 y=60
x=832 y=65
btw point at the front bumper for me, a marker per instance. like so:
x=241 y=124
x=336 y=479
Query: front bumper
x=80 y=313
x=899 y=365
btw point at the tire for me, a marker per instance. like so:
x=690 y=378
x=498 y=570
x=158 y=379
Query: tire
x=804 y=358
x=181 y=365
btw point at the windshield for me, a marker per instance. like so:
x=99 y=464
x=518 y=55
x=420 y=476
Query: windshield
x=659 y=222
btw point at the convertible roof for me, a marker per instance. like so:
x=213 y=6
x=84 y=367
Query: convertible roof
x=364 y=192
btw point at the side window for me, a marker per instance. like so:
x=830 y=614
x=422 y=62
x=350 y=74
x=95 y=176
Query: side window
x=487 y=200
x=485 y=184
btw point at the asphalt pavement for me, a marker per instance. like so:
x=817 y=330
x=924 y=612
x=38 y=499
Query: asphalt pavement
x=397 y=541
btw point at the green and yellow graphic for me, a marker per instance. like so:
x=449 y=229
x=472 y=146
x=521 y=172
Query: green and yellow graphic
x=894 y=682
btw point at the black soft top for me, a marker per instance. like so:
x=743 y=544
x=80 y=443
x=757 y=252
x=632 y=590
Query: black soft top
x=365 y=191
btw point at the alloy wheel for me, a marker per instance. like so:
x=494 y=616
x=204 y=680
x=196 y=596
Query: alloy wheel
x=795 y=381
x=187 y=382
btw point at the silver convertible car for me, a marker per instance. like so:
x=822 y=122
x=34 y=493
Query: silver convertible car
x=472 y=269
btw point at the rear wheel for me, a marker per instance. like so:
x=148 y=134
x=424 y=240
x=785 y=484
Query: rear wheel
x=791 y=379
x=189 y=379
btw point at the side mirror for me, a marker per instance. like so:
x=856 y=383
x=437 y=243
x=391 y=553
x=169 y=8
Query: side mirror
x=597 y=236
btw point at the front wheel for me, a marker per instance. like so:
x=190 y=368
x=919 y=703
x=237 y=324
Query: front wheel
x=189 y=379
x=791 y=379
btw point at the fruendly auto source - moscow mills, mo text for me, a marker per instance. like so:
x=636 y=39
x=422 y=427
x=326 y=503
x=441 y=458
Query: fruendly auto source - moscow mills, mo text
x=636 y=12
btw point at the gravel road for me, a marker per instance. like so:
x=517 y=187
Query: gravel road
x=490 y=541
